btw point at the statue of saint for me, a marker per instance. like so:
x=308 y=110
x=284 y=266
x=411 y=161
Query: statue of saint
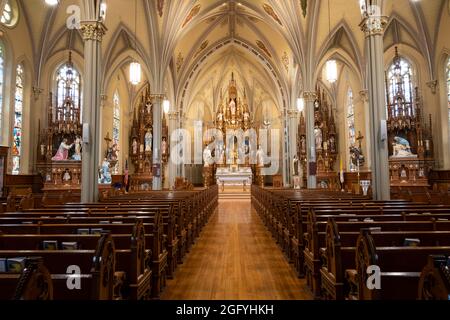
x=318 y=137
x=303 y=145
x=135 y=146
x=401 y=148
x=233 y=108
x=260 y=157
x=66 y=176
x=77 y=154
x=207 y=157
x=63 y=151
x=105 y=176
x=148 y=141
x=164 y=146
x=295 y=165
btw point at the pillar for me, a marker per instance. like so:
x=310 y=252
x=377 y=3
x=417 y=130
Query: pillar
x=373 y=27
x=173 y=168
x=310 y=97
x=92 y=32
x=157 y=136
x=293 y=126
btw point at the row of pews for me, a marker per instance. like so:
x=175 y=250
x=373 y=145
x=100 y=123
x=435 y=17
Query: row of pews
x=124 y=247
x=351 y=247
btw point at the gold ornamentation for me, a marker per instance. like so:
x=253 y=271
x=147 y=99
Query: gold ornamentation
x=160 y=7
x=269 y=10
x=263 y=47
x=433 y=86
x=310 y=96
x=202 y=47
x=285 y=61
x=180 y=61
x=373 y=25
x=194 y=11
x=93 y=30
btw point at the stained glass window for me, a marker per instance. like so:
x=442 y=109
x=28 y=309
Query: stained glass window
x=9 y=15
x=116 y=118
x=2 y=66
x=68 y=84
x=351 y=118
x=400 y=87
x=18 y=118
x=448 y=89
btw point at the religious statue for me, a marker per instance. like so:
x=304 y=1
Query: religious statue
x=66 y=176
x=401 y=148
x=63 y=151
x=233 y=107
x=318 y=137
x=295 y=166
x=303 y=145
x=148 y=106
x=105 y=175
x=332 y=144
x=164 y=146
x=260 y=157
x=148 y=141
x=207 y=157
x=356 y=156
x=77 y=155
x=135 y=146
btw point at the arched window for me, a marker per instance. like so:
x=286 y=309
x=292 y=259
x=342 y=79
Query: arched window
x=116 y=118
x=18 y=113
x=448 y=89
x=400 y=86
x=2 y=82
x=351 y=118
x=68 y=83
x=10 y=14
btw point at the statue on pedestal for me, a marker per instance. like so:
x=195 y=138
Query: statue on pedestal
x=148 y=141
x=318 y=137
x=134 y=146
x=260 y=157
x=207 y=157
x=105 y=175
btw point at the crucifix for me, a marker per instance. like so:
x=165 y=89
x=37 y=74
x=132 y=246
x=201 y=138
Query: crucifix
x=359 y=138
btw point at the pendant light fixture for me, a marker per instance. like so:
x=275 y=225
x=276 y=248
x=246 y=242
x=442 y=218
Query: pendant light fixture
x=331 y=65
x=135 y=67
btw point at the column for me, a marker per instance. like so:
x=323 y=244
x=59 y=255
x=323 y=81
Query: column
x=92 y=32
x=173 y=123
x=310 y=97
x=293 y=126
x=157 y=136
x=373 y=28
x=284 y=161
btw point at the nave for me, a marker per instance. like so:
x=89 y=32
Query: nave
x=235 y=258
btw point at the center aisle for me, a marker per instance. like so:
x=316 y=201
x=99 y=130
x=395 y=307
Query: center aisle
x=235 y=258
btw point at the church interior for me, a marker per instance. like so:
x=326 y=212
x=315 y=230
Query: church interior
x=224 y=149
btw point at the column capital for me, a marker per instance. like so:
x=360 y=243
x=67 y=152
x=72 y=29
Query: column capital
x=37 y=92
x=310 y=96
x=374 y=25
x=364 y=94
x=93 y=30
x=173 y=115
x=433 y=86
x=292 y=114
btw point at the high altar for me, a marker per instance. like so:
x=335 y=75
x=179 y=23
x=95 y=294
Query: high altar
x=233 y=166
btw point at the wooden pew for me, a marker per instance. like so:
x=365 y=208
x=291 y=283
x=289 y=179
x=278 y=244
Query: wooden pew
x=434 y=283
x=97 y=267
x=33 y=283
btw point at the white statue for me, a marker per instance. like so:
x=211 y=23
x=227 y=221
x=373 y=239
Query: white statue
x=260 y=157
x=401 y=148
x=233 y=107
x=164 y=146
x=135 y=146
x=148 y=141
x=105 y=176
x=67 y=176
x=295 y=166
x=318 y=137
x=77 y=155
x=207 y=157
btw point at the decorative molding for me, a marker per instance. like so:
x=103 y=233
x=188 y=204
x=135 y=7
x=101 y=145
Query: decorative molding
x=93 y=30
x=173 y=115
x=372 y=26
x=310 y=96
x=292 y=114
x=433 y=86
x=194 y=11
x=37 y=92
x=160 y=7
x=263 y=47
x=180 y=61
x=285 y=61
x=364 y=95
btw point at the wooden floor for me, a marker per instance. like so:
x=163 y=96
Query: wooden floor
x=235 y=258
